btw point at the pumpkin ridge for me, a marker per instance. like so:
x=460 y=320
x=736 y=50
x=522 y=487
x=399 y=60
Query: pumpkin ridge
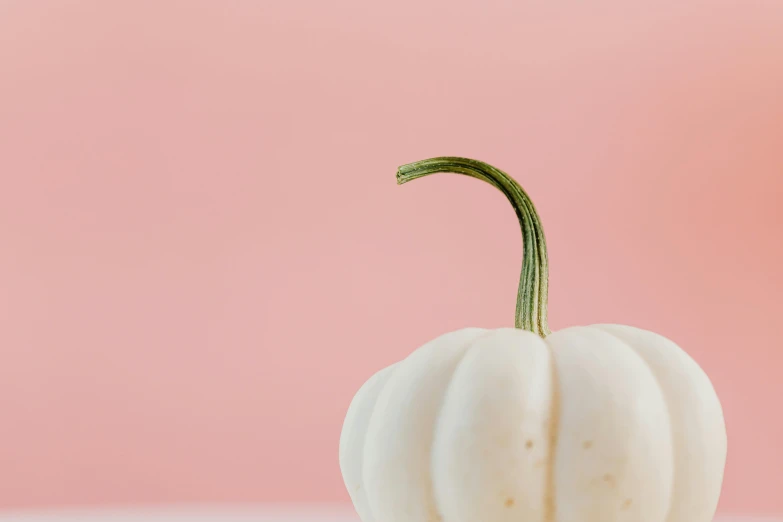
x=674 y=448
x=470 y=345
x=358 y=490
x=550 y=502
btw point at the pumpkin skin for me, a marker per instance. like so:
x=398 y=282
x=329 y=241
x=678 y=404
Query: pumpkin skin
x=602 y=423
x=591 y=424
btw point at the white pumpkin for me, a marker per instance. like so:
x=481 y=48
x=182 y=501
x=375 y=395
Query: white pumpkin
x=600 y=423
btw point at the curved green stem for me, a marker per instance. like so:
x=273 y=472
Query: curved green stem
x=534 y=280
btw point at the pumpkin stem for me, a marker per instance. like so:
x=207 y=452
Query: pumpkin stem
x=534 y=280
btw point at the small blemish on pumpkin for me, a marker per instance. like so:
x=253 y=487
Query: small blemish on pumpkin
x=509 y=502
x=609 y=479
x=540 y=463
x=358 y=488
x=587 y=444
x=529 y=444
x=627 y=503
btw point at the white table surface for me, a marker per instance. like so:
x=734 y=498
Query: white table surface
x=223 y=514
x=186 y=514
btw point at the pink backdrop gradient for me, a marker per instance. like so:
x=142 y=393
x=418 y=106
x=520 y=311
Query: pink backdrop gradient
x=203 y=252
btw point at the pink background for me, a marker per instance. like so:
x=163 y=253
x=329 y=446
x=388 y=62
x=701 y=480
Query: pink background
x=204 y=253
